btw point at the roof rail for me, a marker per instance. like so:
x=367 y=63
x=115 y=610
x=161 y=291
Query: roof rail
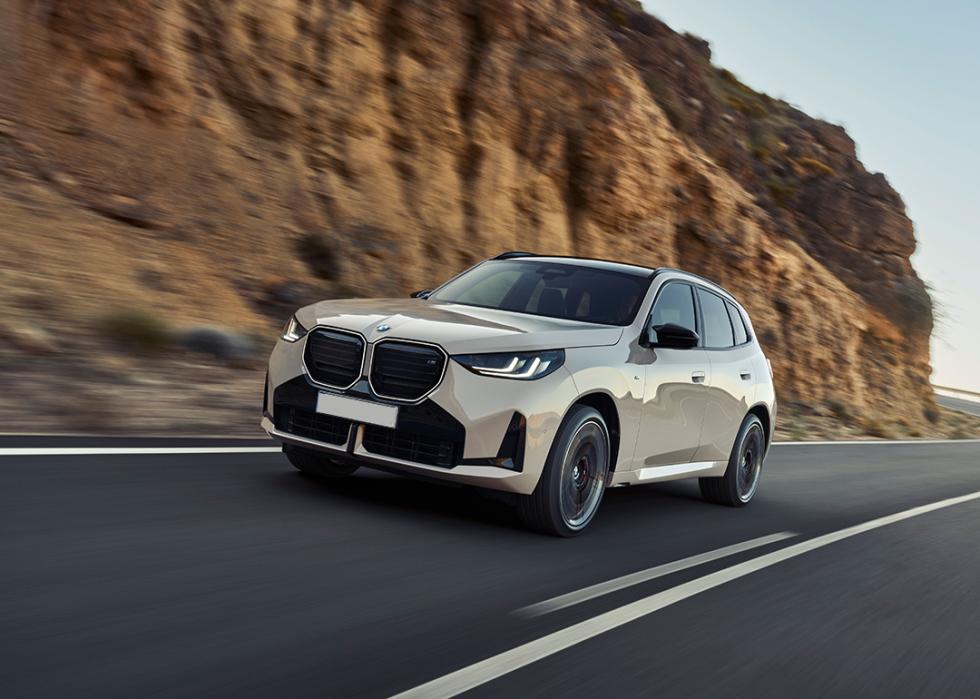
x=514 y=253
x=715 y=284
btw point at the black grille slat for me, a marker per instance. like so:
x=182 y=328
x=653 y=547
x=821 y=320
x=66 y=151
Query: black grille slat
x=405 y=371
x=410 y=446
x=339 y=346
x=334 y=337
x=397 y=371
x=312 y=425
x=405 y=382
x=333 y=357
x=409 y=383
x=409 y=375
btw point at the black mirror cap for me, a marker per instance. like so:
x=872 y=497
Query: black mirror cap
x=672 y=336
x=424 y=294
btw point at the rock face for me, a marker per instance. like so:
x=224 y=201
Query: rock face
x=197 y=158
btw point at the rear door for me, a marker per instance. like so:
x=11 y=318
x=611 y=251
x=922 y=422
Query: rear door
x=675 y=392
x=731 y=385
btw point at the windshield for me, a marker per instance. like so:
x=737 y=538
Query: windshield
x=551 y=289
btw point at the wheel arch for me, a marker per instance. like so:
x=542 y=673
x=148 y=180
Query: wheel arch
x=606 y=406
x=761 y=411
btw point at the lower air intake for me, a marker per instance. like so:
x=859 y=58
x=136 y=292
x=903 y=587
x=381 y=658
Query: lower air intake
x=312 y=425
x=410 y=446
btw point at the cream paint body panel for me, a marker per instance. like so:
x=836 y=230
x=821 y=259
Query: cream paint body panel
x=612 y=371
x=456 y=328
x=765 y=392
x=673 y=407
x=729 y=398
x=285 y=363
x=485 y=406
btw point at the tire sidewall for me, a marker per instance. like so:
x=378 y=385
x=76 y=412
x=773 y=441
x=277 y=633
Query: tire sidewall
x=731 y=474
x=578 y=416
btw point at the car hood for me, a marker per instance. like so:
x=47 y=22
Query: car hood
x=458 y=329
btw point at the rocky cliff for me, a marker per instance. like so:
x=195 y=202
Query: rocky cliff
x=220 y=162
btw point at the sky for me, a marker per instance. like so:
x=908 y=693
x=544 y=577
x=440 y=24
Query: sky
x=904 y=79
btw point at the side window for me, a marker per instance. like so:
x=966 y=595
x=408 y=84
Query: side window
x=717 y=326
x=675 y=304
x=741 y=334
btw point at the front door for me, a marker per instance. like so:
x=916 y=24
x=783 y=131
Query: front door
x=676 y=386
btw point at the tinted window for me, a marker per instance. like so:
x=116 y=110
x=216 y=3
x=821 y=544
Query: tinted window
x=552 y=289
x=491 y=289
x=675 y=304
x=717 y=326
x=741 y=335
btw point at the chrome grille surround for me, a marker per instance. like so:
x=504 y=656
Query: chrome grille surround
x=322 y=333
x=426 y=385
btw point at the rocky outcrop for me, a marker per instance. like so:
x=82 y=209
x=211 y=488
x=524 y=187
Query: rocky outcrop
x=196 y=159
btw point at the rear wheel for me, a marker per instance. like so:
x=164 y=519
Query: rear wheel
x=317 y=465
x=741 y=480
x=570 y=489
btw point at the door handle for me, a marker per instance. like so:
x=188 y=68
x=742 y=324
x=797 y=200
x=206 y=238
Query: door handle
x=746 y=375
x=697 y=376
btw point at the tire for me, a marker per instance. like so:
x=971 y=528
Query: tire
x=570 y=489
x=741 y=480
x=313 y=463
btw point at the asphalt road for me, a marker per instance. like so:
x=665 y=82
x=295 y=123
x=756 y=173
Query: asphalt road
x=210 y=574
x=964 y=406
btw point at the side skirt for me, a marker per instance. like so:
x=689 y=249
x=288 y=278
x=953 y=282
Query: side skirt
x=670 y=472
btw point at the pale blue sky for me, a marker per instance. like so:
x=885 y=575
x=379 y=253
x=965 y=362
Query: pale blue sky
x=904 y=79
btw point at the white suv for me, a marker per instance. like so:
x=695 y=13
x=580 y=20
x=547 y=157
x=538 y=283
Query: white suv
x=552 y=378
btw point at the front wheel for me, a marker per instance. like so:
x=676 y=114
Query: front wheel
x=570 y=488
x=315 y=464
x=741 y=479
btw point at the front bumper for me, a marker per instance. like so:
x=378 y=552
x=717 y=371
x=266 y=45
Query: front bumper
x=474 y=430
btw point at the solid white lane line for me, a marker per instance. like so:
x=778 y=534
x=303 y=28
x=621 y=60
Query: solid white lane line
x=110 y=451
x=604 y=588
x=484 y=671
x=114 y=451
x=876 y=442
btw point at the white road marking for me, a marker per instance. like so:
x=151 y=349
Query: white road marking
x=467 y=678
x=135 y=451
x=604 y=588
x=876 y=442
x=115 y=451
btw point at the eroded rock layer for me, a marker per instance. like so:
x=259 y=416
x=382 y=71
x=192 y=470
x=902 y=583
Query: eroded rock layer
x=221 y=161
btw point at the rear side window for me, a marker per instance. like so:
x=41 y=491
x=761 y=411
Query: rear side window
x=717 y=325
x=675 y=304
x=738 y=323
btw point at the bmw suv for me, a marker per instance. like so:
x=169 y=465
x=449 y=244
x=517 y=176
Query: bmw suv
x=551 y=378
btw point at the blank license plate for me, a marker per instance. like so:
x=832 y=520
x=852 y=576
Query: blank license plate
x=357 y=410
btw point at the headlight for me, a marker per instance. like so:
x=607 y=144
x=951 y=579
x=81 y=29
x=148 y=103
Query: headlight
x=513 y=365
x=293 y=330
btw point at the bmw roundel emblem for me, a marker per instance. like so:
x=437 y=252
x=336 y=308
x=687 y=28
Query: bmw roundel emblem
x=384 y=327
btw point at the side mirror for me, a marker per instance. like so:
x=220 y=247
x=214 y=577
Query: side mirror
x=672 y=336
x=424 y=294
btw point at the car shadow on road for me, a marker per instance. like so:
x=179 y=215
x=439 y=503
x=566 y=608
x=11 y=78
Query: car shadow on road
x=392 y=496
